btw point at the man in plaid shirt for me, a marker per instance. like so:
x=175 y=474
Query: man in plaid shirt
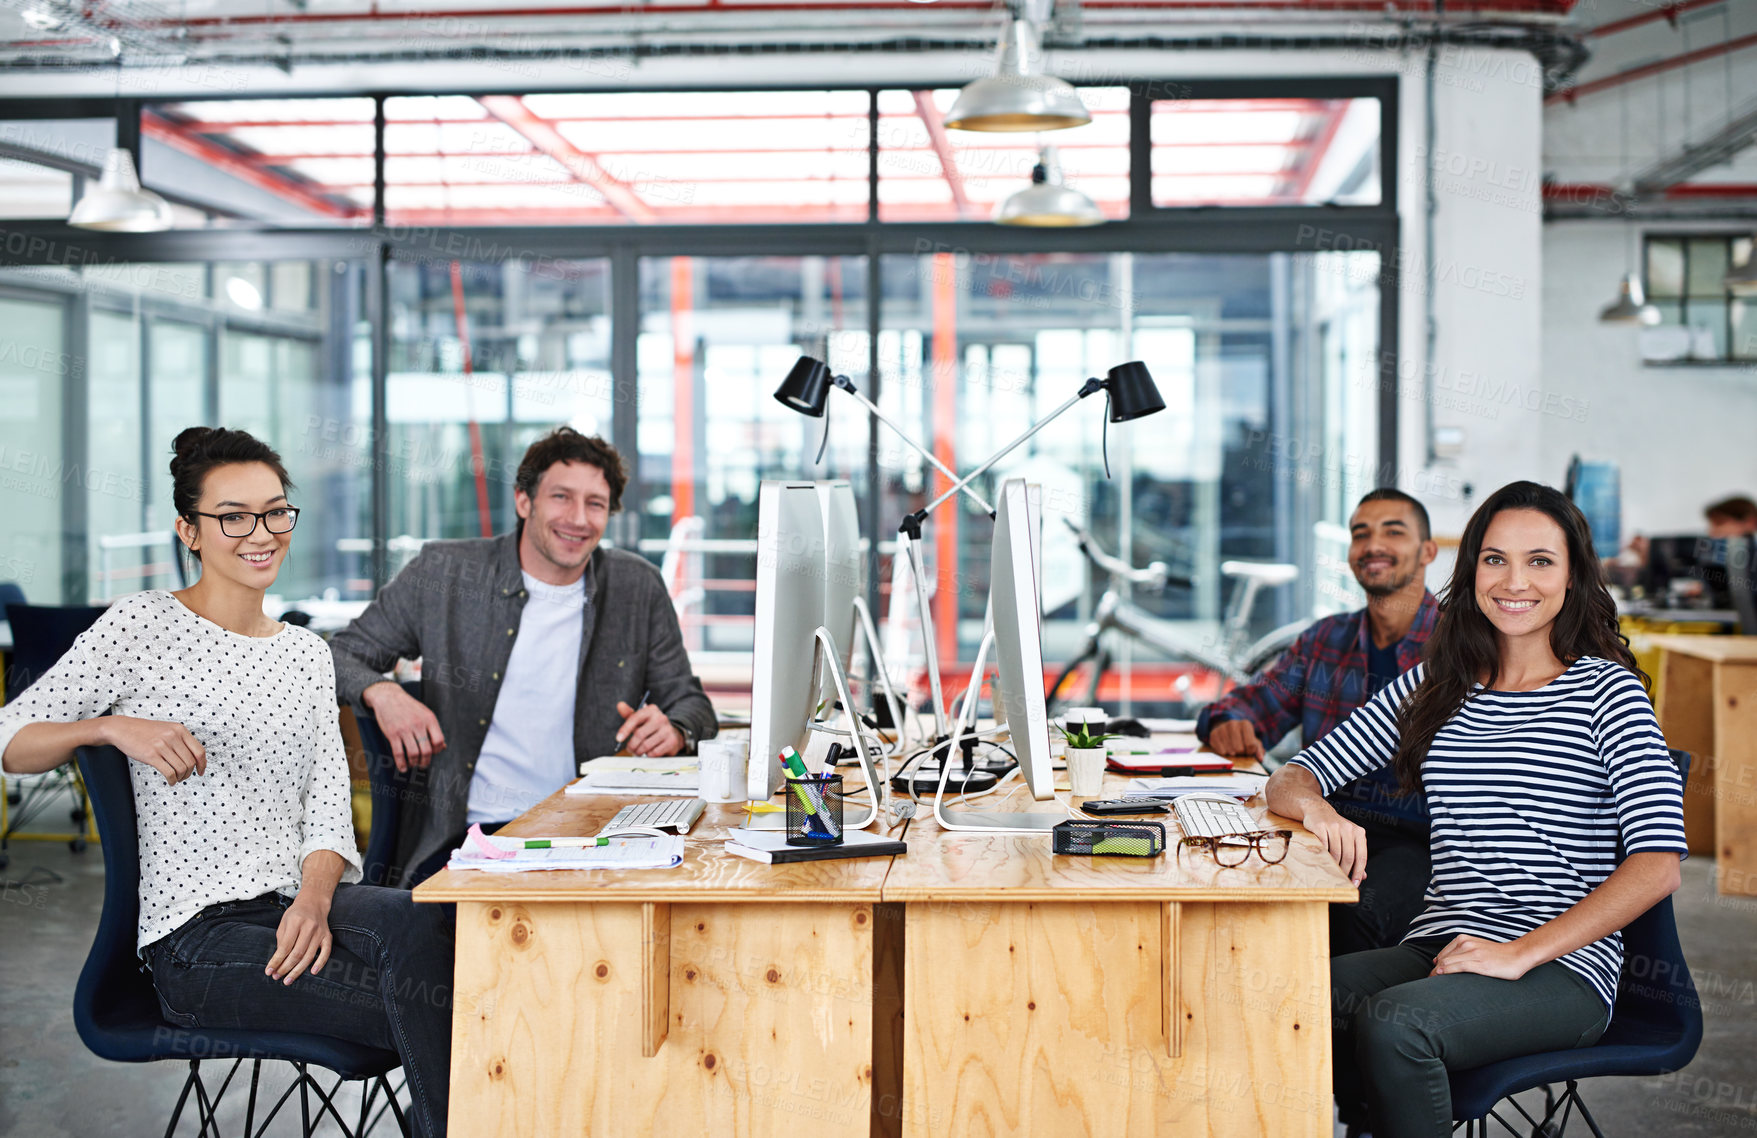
x=1334 y=667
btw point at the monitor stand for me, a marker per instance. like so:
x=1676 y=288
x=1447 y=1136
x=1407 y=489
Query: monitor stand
x=829 y=660
x=983 y=821
x=899 y=712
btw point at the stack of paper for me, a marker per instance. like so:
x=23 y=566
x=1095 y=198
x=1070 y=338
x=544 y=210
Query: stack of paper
x=495 y=854
x=1240 y=786
x=639 y=775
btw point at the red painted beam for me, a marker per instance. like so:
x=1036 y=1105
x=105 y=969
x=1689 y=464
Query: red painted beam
x=163 y=130
x=454 y=16
x=1658 y=67
x=1314 y=158
x=942 y=149
x=1668 y=12
x=539 y=132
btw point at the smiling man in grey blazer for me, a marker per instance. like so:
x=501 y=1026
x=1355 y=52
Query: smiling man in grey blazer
x=537 y=649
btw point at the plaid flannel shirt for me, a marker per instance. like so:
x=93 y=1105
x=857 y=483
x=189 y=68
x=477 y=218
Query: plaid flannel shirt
x=1318 y=682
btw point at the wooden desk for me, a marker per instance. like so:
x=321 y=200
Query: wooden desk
x=997 y=990
x=1054 y=995
x=724 y=997
x=1707 y=705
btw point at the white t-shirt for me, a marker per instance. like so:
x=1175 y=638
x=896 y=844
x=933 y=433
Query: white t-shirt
x=528 y=753
x=276 y=787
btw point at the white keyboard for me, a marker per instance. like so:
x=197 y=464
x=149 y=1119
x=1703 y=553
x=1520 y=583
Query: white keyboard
x=1210 y=815
x=677 y=814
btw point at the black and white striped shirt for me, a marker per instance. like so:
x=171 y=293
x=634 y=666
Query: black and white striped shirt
x=1529 y=793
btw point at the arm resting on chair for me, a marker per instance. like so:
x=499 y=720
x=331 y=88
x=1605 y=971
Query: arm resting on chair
x=168 y=748
x=40 y=747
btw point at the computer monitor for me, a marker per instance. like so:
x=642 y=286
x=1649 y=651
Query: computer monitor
x=844 y=566
x=789 y=608
x=1692 y=557
x=1016 y=613
x=1014 y=592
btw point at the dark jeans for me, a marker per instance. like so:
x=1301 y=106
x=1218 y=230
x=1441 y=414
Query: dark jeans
x=387 y=983
x=1398 y=867
x=1397 y=1030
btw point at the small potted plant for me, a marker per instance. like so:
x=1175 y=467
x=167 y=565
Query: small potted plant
x=1085 y=758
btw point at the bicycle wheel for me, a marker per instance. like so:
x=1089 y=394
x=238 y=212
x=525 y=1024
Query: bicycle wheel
x=1075 y=671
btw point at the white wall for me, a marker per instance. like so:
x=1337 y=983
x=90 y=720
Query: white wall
x=1683 y=436
x=1488 y=263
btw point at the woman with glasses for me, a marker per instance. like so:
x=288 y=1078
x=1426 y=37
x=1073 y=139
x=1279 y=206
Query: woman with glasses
x=1557 y=819
x=241 y=791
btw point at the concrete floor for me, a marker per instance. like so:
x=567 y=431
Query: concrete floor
x=52 y=1087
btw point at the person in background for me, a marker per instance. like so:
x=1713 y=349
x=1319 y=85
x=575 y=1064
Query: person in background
x=1557 y=820
x=249 y=918
x=539 y=648
x=1334 y=667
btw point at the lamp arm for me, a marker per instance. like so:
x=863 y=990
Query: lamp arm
x=1090 y=386
x=847 y=385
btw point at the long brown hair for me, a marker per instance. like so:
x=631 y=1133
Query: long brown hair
x=1464 y=645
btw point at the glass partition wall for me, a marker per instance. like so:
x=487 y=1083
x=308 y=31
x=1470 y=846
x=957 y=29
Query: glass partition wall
x=402 y=333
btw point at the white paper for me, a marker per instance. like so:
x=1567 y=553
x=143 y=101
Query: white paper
x=1239 y=785
x=622 y=853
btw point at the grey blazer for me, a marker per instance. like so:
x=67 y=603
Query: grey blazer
x=456 y=606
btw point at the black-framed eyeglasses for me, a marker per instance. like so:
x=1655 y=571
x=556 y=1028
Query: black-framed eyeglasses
x=242 y=523
x=1233 y=850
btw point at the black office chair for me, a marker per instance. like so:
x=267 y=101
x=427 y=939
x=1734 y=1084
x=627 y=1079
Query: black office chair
x=116 y=1010
x=41 y=635
x=1656 y=1026
x=390 y=788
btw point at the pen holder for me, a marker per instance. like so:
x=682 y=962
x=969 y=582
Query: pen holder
x=814 y=810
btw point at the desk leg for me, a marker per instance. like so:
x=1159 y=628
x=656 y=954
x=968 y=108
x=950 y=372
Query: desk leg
x=1735 y=798
x=769 y=1026
x=1054 y=1022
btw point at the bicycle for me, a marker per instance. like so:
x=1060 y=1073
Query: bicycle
x=1235 y=657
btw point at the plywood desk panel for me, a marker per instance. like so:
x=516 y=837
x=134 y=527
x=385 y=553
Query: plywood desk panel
x=1707 y=704
x=1052 y=995
x=724 y=997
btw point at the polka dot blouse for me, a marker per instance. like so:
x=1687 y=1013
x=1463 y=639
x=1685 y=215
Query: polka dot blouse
x=276 y=787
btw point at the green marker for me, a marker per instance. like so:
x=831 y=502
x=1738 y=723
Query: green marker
x=559 y=843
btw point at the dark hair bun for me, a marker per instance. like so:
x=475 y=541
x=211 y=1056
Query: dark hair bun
x=189 y=443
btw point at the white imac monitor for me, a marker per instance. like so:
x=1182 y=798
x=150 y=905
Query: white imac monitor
x=844 y=567
x=1018 y=636
x=789 y=608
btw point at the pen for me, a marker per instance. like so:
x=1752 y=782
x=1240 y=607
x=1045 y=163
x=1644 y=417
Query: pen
x=558 y=843
x=644 y=697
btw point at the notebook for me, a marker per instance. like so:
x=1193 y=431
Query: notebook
x=771 y=846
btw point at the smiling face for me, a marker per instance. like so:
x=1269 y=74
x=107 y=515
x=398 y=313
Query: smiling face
x=564 y=521
x=238 y=487
x=1385 y=550
x=1522 y=573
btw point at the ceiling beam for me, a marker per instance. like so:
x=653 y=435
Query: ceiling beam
x=1668 y=12
x=1658 y=67
x=1695 y=157
x=511 y=110
x=172 y=134
x=942 y=149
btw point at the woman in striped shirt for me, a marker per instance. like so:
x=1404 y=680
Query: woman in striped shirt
x=1557 y=819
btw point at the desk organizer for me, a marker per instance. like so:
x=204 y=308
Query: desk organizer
x=1122 y=839
x=814 y=810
